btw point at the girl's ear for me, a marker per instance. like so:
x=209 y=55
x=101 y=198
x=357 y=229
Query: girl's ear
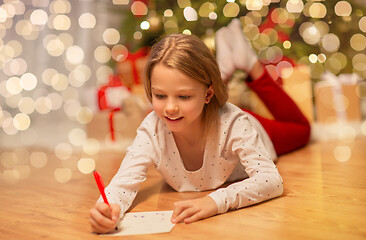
x=209 y=94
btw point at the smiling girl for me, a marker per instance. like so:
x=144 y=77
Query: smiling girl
x=198 y=141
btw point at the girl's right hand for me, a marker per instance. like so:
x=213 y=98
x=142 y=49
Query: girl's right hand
x=104 y=219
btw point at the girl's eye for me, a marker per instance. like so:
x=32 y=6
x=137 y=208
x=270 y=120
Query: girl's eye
x=184 y=97
x=159 y=96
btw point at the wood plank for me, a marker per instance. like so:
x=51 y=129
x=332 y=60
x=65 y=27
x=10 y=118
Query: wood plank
x=323 y=199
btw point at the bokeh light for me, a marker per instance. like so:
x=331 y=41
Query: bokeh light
x=63 y=151
x=111 y=36
x=86 y=165
x=87 y=20
x=91 y=146
x=343 y=8
x=342 y=153
x=190 y=14
x=62 y=175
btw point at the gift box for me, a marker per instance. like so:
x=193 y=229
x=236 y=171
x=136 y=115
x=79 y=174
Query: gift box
x=111 y=95
x=296 y=82
x=337 y=98
x=117 y=125
x=131 y=70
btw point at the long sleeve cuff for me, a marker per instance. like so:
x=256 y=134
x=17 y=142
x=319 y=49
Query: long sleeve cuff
x=219 y=200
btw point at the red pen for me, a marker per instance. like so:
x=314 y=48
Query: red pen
x=100 y=184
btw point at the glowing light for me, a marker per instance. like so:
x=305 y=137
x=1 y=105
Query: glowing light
x=139 y=8
x=187 y=31
x=102 y=54
x=284 y=65
x=137 y=35
x=61 y=22
x=86 y=165
x=91 y=146
x=330 y=42
x=77 y=137
x=47 y=76
x=62 y=175
x=13 y=85
x=8 y=126
x=342 y=153
x=16 y=66
x=38 y=159
x=16 y=48
x=84 y=115
x=145 y=25
x=3 y=15
x=190 y=14
x=363 y=127
x=313 y=58
x=28 y=81
x=358 y=42
x=287 y=44
x=55 y=47
x=75 y=54
x=212 y=16
x=11 y=176
x=87 y=20
x=26 y=105
x=322 y=58
x=121 y=2
x=102 y=74
x=43 y=105
x=206 y=8
x=66 y=39
x=168 y=13
x=184 y=3
x=71 y=107
x=362 y=24
x=63 y=151
x=359 y=62
x=343 y=8
x=347 y=134
x=232 y=9
x=111 y=36
x=295 y=6
x=119 y=53
x=60 y=6
x=56 y=100
x=8 y=159
x=21 y=121
x=39 y=17
x=59 y=82
x=317 y=10
x=310 y=33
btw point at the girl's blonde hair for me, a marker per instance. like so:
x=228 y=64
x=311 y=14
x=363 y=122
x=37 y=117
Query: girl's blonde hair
x=191 y=56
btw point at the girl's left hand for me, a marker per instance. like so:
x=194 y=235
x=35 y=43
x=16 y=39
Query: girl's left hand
x=193 y=210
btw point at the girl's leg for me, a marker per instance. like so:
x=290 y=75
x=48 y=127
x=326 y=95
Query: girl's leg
x=282 y=107
x=290 y=129
x=285 y=136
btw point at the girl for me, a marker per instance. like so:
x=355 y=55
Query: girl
x=196 y=140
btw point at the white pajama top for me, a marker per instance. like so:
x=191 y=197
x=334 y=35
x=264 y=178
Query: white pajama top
x=243 y=154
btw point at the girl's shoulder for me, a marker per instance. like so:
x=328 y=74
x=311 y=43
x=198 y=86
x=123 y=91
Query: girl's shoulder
x=152 y=123
x=230 y=111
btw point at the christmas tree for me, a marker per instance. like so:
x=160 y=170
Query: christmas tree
x=325 y=35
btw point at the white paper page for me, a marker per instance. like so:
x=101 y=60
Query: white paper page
x=135 y=223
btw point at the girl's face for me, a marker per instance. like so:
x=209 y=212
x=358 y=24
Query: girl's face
x=177 y=99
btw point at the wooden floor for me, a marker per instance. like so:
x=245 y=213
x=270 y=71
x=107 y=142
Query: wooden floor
x=324 y=198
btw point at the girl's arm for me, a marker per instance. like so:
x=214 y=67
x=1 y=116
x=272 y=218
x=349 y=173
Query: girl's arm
x=264 y=181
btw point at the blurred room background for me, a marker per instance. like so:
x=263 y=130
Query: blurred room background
x=71 y=71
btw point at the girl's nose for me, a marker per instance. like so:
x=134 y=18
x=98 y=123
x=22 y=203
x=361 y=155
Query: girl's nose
x=171 y=107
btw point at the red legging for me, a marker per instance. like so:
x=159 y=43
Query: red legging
x=290 y=129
